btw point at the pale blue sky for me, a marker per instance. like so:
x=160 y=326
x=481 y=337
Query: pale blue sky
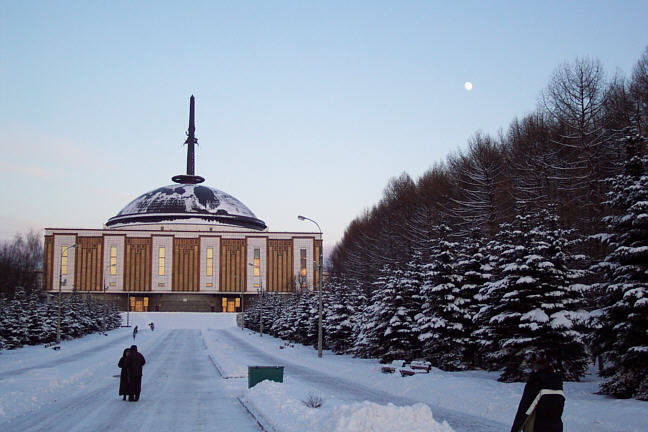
x=301 y=106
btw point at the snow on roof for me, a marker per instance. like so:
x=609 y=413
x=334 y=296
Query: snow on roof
x=184 y=201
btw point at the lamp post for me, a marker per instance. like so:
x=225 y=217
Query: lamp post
x=241 y=296
x=260 y=291
x=58 y=321
x=319 y=269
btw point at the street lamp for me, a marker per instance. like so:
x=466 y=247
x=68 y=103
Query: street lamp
x=260 y=290
x=58 y=321
x=319 y=269
x=242 y=302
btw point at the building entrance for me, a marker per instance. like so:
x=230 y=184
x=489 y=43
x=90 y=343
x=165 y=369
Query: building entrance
x=139 y=304
x=231 y=304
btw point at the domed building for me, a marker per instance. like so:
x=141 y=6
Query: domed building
x=181 y=247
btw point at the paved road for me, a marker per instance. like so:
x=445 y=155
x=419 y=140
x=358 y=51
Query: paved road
x=181 y=391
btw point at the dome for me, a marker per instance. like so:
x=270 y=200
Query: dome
x=188 y=203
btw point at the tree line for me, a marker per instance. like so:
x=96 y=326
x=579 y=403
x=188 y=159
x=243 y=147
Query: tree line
x=26 y=315
x=27 y=320
x=531 y=242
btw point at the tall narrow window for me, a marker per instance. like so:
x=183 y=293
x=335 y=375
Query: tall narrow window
x=210 y=261
x=113 y=260
x=302 y=263
x=161 y=262
x=64 y=259
x=257 y=267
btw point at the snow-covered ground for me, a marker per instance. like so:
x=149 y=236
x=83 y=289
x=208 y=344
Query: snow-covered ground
x=195 y=379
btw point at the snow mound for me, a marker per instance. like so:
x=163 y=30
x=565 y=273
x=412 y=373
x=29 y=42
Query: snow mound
x=369 y=416
x=283 y=407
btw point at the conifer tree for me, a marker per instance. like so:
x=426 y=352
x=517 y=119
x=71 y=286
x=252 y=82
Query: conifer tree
x=375 y=317
x=621 y=325
x=535 y=303
x=338 y=325
x=474 y=266
x=440 y=321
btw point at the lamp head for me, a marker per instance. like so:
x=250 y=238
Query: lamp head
x=300 y=217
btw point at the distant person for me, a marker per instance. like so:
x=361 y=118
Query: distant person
x=542 y=402
x=134 y=332
x=134 y=364
x=123 y=378
x=152 y=326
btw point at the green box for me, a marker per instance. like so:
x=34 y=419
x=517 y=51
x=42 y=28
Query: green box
x=256 y=374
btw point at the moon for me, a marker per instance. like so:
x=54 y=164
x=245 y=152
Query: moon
x=468 y=85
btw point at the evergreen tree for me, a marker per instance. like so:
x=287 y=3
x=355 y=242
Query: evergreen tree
x=535 y=304
x=440 y=321
x=338 y=326
x=476 y=270
x=375 y=317
x=401 y=332
x=621 y=325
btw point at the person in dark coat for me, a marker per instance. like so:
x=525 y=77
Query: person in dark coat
x=134 y=363
x=123 y=378
x=543 y=400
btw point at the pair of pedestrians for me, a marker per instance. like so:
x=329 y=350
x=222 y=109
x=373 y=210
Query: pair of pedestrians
x=130 y=382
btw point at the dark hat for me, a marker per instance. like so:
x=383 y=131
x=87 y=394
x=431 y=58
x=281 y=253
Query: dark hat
x=133 y=347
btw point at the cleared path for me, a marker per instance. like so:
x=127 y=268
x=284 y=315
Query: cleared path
x=181 y=391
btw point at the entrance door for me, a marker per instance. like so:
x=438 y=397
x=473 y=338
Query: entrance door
x=139 y=304
x=231 y=304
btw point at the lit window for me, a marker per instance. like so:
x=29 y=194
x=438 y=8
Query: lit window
x=64 y=259
x=113 y=260
x=161 y=262
x=238 y=302
x=302 y=262
x=210 y=261
x=257 y=262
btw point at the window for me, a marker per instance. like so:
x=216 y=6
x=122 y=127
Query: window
x=64 y=259
x=210 y=261
x=257 y=262
x=302 y=263
x=161 y=262
x=113 y=260
x=257 y=267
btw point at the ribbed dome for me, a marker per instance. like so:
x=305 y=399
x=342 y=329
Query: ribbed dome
x=187 y=203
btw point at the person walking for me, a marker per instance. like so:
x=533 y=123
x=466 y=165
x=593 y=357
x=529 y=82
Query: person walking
x=123 y=378
x=543 y=400
x=134 y=364
x=134 y=332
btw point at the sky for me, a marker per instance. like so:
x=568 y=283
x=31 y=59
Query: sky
x=302 y=107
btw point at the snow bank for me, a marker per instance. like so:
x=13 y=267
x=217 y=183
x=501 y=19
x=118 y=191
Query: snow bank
x=282 y=407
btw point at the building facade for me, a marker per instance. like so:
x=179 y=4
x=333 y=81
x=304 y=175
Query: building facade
x=181 y=247
x=179 y=268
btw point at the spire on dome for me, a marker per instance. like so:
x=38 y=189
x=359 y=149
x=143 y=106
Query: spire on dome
x=190 y=177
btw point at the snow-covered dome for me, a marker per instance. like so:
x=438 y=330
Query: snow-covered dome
x=187 y=203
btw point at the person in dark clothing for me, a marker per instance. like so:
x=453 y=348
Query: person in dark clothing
x=134 y=363
x=542 y=403
x=123 y=378
x=134 y=332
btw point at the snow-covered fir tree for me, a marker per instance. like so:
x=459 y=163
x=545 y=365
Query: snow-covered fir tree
x=440 y=319
x=621 y=325
x=476 y=270
x=534 y=303
x=338 y=325
x=401 y=332
x=375 y=316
